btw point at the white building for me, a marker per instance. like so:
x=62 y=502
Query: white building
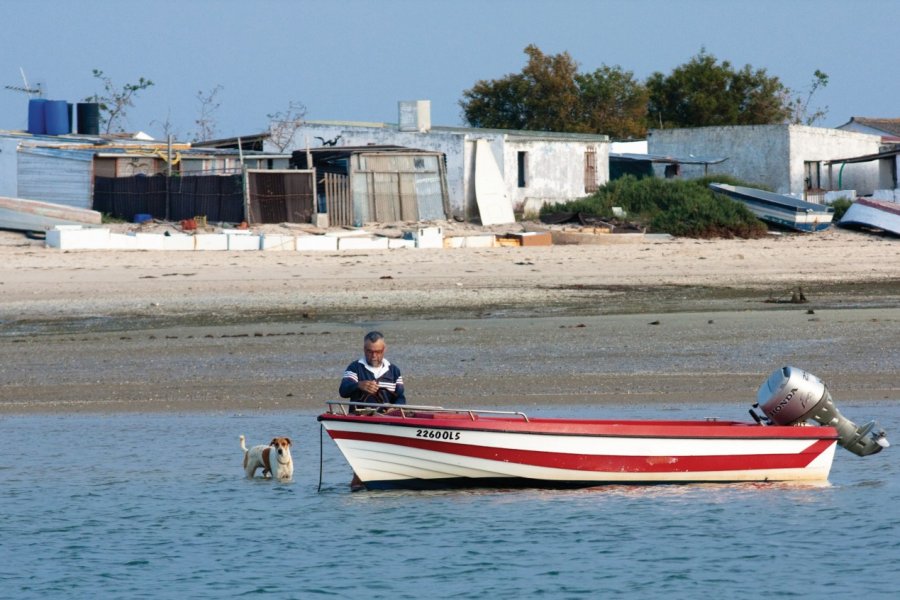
x=888 y=129
x=788 y=159
x=535 y=167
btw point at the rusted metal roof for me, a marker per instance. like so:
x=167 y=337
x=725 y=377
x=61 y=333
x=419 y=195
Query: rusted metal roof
x=864 y=157
x=889 y=126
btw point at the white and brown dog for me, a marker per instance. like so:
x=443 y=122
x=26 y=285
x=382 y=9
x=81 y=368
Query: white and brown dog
x=275 y=459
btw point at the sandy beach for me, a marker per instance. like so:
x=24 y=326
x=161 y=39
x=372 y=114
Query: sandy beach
x=674 y=321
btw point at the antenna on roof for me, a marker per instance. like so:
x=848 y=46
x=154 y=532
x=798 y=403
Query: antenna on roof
x=37 y=90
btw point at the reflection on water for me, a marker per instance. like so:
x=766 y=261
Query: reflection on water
x=156 y=506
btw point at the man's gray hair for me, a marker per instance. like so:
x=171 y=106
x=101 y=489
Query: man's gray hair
x=373 y=336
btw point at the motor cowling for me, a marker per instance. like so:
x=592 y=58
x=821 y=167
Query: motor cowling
x=791 y=396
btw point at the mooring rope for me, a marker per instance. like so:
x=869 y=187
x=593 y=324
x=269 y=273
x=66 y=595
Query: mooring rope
x=321 y=449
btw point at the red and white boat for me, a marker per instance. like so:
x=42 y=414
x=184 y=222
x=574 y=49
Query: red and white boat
x=424 y=447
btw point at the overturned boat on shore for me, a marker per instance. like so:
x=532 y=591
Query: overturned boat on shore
x=778 y=209
x=869 y=213
x=34 y=215
x=793 y=437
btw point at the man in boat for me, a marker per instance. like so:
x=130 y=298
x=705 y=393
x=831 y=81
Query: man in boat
x=373 y=378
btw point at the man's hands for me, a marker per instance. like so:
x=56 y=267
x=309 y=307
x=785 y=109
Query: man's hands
x=368 y=386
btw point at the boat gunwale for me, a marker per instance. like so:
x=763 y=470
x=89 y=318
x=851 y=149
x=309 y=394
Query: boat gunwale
x=881 y=205
x=596 y=428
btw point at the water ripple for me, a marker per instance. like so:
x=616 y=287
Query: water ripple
x=165 y=523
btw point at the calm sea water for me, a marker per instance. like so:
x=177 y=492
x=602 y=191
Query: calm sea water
x=156 y=506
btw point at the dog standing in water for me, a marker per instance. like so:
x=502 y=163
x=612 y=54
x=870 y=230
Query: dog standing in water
x=274 y=459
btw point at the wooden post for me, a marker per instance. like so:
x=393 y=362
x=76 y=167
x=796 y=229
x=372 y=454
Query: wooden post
x=168 y=172
x=245 y=172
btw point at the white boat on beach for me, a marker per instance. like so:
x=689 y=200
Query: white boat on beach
x=426 y=447
x=873 y=214
x=778 y=209
x=33 y=215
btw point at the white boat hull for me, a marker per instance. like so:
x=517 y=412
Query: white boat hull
x=387 y=452
x=34 y=215
x=876 y=214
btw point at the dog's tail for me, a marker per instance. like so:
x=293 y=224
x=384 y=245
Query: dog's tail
x=243 y=445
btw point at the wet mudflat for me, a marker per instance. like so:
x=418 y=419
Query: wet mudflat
x=489 y=360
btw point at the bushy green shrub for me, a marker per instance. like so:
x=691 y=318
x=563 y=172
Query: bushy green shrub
x=840 y=206
x=684 y=208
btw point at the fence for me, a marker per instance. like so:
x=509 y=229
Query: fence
x=339 y=202
x=816 y=196
x=272 y=197
x=219 y=198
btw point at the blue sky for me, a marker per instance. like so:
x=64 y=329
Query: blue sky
x=355 y=59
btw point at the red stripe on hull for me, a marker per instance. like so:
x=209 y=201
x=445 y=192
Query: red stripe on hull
x=604 y=463
x=579 y=427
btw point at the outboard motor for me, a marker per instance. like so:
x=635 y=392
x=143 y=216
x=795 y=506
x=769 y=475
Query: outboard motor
x=791 y=396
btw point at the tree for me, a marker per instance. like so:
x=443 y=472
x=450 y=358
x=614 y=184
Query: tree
x=115 y=101
x=799 y=111
x=704 y=92
x=551 y=95
x=543 y=97
x=613 y=102
x=283 y=125
x=552 y=103
x=206 y=122
x=498 y=104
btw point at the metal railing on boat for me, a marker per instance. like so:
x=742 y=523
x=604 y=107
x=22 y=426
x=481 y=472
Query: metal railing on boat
x=408 y=411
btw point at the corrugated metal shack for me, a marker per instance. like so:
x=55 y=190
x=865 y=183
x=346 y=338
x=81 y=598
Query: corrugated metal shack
x=122 y=177
x=384 y=184
x=58 y=175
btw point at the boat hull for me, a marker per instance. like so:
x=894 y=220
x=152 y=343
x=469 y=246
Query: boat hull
x=33 y=215
x=440 y=451
x=778 y=209
x=875 y=214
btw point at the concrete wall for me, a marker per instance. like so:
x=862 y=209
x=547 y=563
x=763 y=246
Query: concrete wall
x=554 y=171
x=888 y=172
x=556 y=167
x=821 y=144
x=773 y=156
x=634 y=147
x=756 y=154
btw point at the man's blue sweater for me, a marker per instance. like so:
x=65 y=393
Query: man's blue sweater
x=390 y=383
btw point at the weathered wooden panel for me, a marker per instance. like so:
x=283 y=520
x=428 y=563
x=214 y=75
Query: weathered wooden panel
x=386 y=197
x=590 y=171
x=338 y=202
x=281 y=196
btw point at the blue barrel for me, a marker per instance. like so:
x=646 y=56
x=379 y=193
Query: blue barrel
x=88 y=114
x=56 y=115
x=36 y=123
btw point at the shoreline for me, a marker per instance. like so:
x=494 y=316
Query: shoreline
x=655 y=322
